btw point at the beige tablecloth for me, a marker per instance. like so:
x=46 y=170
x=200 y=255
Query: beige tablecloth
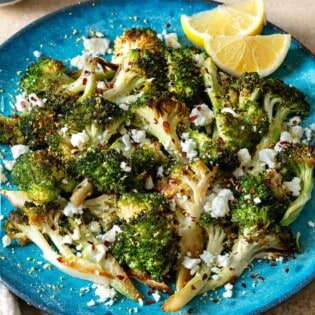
x=294 y=16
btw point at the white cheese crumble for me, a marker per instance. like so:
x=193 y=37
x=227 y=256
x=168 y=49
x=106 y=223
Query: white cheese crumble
x=19 y=149
x=3 y=178
x=96 y=46
x=201 y=115
x=191 y=263
x=228 y=291
x=138 y=136
x=188 y=146
x=244 y=156
x=156 y=296
x=70 y=210
x=105 y=293
x=21 y=103
x=293 y=186
x=6 y=241
x=125 y=167
x=149 y=184
x=223 y=260
x=267 y=156
x=110 y=235
x=8 y=164
x=79 y=139
x=311 y=224
x=171 y=40
x=207 y=257
x=218 y=203
x=37 y=53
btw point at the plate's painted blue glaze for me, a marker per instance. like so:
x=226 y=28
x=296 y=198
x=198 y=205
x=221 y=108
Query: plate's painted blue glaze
x=21 y=268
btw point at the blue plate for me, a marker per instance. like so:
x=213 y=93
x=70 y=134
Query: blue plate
x=22 y=268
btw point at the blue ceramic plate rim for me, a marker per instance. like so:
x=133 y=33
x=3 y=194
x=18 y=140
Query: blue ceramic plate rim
x=35 y=300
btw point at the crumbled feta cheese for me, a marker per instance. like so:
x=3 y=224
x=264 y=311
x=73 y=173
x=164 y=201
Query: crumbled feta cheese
x=223 y=260
x=257 y=200
x=244 y=156
x=79 y=139
x=140 y=301
x=218 y=204
x=110 y=235
x=126 y=141
x=21 y=103
x=189 y=147
x=201 y=115
x=37 y=53
x=138 y=136
x=199 y=59
x=76 y=235
x=104 y=293
x=101 y=251
x=70 y=210
x=79 y=61
x=156 y=296
x=91 y=303
x=207 y=257
x=215 y=270
x=293 y=186
x=96 y=46
x=101 y=85
x=67 y=239
x=125 y=167
x=6 y=241
x=296 y=133
x=192 y=264
x=228 y=291
x=267 y=156
x=311 y=224
x=160 y=172
x=171 y=39
x=294 y=121
x=35 y=100
x=19 y=149
x=8 y=164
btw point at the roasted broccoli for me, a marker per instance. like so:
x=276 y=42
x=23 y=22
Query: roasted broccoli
x=297 y=164
x=40 y=177
x=147 y=242
x=73 y=241
x=165 y=118
x=184 y=75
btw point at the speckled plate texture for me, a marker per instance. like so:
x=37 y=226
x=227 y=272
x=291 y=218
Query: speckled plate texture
x=56 y=35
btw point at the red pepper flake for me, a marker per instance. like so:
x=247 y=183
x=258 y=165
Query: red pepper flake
x=283 y=143
x=193 y=118
x=252 y=191
x=172 y=181
x=121 y=277
x=111 y=85
x=199 y=108
x=149 y=302
x=253 y=275
x=193 y=288
x=84 y=81
x=155 y=121
x=150 y=292
x=294 y=122
x=33 y=98
x=260 y=279
x=190 y=311
x=273 y=264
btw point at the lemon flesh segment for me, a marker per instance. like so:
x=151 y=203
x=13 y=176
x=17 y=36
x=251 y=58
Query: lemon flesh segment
x=238 y=54
x=244 y=18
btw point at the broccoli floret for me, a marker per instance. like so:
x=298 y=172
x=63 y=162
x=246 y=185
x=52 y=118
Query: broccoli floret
x=141 y=71
x=108 y=170
x=184 y=75
x=40 y=177
x=148 y=241
x=280 y=101
x=136 y=38
x=256 y=203
x=253 y=243
x=48 y=79
x=10 y=131
x=297 y=160
x=71 y=244
x=44 y=76
x=163 y=117
x=214 y=151
x=240 y=119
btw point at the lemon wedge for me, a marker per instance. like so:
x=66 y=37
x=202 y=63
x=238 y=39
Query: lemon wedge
x=243 y=18
x=238 y=54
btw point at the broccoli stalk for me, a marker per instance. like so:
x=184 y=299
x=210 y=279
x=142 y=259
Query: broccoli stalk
x=163 y=117
x=48 y=228
x=298 y=160
x=215 y=243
